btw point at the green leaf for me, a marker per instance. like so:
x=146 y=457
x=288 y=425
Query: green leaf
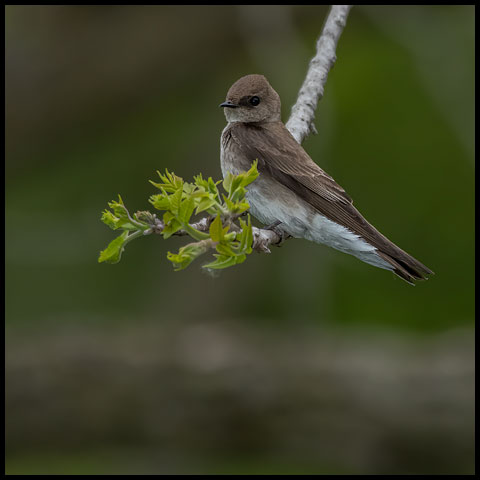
x=212 y=186
x=171 y=183
x=225 y=249
x=227 y=182
x=186 y=255
x=222 y=261
x=240 y=259
x=228 y=237
x=189 y=188
x=196 y=234
x=113 y=252
x=165 y=185
x=171 y=225
x=186 y=209
x=175 y=200
x=201 y=182
x=241 y=207
x=251 y=175
x=236 y=208
x=108 y=218
x=177 y=182
x=118 y=208
x=216 y=230
x=238 y=194
x=159 y=185
x=205 y=203
x=246 y=236
x=236 y=183
x=160 y=201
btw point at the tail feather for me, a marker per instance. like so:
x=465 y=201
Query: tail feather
x=405 y=266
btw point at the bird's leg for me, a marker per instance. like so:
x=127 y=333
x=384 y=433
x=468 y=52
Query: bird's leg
x=274 y=228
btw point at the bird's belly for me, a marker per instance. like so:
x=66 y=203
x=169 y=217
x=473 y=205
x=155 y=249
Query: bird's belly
x=272 y=202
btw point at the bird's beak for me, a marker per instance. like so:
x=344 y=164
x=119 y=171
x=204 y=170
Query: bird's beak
x=228 y=104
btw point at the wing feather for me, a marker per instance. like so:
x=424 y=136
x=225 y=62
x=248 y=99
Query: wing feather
x=289 y=164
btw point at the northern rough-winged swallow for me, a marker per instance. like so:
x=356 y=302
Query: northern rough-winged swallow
x=292 y=192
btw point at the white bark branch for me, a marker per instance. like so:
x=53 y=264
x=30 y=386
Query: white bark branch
x=300 y=123
x=261 y=238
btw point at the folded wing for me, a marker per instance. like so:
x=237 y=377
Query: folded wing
x=290 y=165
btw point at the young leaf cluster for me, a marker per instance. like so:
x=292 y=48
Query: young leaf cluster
x=119 y=218
x=180 y=201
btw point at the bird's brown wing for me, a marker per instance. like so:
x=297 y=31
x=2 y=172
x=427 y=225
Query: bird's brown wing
x=289 y=158
x=288 y=163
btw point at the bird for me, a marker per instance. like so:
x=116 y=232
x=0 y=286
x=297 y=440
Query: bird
x=292 y=194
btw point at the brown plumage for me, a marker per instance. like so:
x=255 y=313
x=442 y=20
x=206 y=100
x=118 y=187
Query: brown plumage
x=256 y=132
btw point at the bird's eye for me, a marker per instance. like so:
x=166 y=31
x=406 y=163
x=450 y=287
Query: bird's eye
x=254 y=101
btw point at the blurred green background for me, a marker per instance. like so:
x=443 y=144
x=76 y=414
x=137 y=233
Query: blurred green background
x=303 y=361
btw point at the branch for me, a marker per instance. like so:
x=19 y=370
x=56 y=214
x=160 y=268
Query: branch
x=261 y=238
x=300 y=123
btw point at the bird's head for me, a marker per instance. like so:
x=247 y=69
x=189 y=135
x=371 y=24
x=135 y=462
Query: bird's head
x=252 y=99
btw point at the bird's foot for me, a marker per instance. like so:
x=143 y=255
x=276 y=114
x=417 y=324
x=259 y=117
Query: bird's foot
x=274 y=227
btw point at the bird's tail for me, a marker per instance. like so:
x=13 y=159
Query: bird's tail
x=404 y=265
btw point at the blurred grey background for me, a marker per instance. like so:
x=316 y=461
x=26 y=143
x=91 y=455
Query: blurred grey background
x=303 y=361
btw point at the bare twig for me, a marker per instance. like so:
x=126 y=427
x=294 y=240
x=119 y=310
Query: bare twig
x=300 y=123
